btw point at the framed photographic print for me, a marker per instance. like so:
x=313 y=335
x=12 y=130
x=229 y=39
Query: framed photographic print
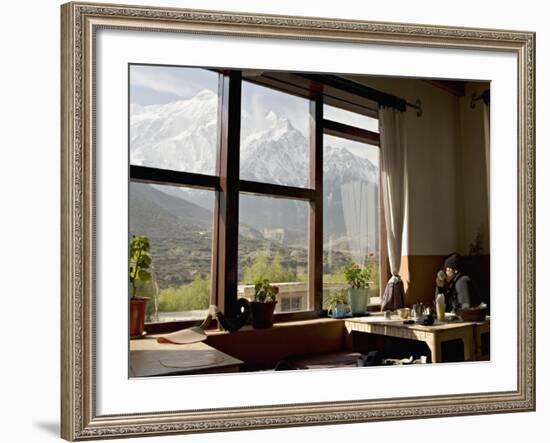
x=299 y=215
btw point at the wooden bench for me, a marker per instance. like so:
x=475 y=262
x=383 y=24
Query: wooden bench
x=264 y=348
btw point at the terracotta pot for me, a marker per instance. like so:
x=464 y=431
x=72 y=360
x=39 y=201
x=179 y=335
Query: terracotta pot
x=138 y=307
x=262 y=314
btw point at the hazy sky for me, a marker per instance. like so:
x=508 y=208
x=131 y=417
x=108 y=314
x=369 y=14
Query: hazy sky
x=162 y=84
x=151 y=85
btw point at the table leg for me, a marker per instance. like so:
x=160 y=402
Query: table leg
x=466 y=336
x=469 y=350
x=435 y=347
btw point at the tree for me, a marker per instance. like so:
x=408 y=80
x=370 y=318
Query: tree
x=261 y=269
x=188 y=297
x=276 y=272
x=256 y=269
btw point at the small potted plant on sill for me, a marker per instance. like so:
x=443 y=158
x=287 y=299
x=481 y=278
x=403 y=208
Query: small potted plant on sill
x=263 y=305
x=337 y=304
x=358 y=279
x=140 y=261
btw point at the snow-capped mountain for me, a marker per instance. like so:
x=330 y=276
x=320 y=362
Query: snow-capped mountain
x=181 y=135
x=278 y=154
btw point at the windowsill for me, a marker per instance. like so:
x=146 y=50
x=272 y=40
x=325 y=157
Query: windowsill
x=283 y=318
x=373 y=309
x=286 y=324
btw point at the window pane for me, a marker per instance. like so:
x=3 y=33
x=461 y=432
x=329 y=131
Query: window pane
x=173 y=118
x=274 y=137
x=350 y=210
x=273 y=245
x=180 y=233
x=350 y=118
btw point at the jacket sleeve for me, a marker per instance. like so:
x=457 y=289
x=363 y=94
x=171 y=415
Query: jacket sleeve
x=465 y=292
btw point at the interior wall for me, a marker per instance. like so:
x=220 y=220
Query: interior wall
x=432 y=140
x=446 y=185
x=475 y=196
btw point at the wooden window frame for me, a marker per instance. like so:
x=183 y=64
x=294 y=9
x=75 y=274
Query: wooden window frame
x=342 y=130
x=228 y=186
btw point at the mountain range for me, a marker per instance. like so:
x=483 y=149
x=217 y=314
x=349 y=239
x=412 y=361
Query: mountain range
x=181 y=135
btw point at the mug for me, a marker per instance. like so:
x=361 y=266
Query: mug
x=404 y=313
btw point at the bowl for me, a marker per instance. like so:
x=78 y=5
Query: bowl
x=473 y=314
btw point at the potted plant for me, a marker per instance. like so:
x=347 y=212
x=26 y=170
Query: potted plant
x=140 y=261
x=264 y=302
x=337 y=304
x=358 y=279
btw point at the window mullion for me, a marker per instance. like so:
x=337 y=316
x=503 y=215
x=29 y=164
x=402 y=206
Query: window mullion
x=272 y=190
x=214 y=268
x=147 y=174
x=315 y=216
x=353 y=133
x=227 y=202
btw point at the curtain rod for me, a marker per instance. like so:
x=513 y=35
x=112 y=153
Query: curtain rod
x=485 y=96
x=343 y=84
x=382 y=98
x=417 y=105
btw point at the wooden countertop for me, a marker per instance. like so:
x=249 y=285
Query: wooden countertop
x=150 y=358
x=397 y=322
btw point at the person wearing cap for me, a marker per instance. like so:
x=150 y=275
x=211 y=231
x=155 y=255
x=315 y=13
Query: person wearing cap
x=459 y=289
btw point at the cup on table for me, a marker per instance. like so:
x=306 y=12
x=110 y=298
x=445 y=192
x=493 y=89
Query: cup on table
x=404 y=313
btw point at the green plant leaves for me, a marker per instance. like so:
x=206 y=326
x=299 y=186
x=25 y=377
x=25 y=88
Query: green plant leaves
x=263 y=291
x=357 y=276
x=145 y=261
x=339 y=297
x=140 y=260
x=144 y=275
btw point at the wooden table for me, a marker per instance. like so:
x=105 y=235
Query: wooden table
x=150 y=358
x=433 y=336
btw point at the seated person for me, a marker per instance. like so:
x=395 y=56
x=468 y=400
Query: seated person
x=459 y=289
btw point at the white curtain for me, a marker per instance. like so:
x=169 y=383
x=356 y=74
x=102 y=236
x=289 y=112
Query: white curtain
x=360 y=208
x=393 y=175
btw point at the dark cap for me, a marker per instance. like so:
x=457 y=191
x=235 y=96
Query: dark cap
x=453 y=261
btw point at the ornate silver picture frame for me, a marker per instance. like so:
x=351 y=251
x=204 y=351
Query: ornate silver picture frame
x=81 y=22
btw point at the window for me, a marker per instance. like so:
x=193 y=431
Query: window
x=351 y=118
x=173 y=128
x=273 y=234
x=351 y=215
x=173 y=118
x=274 y=136
x=180 y=232
x=236 y=179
